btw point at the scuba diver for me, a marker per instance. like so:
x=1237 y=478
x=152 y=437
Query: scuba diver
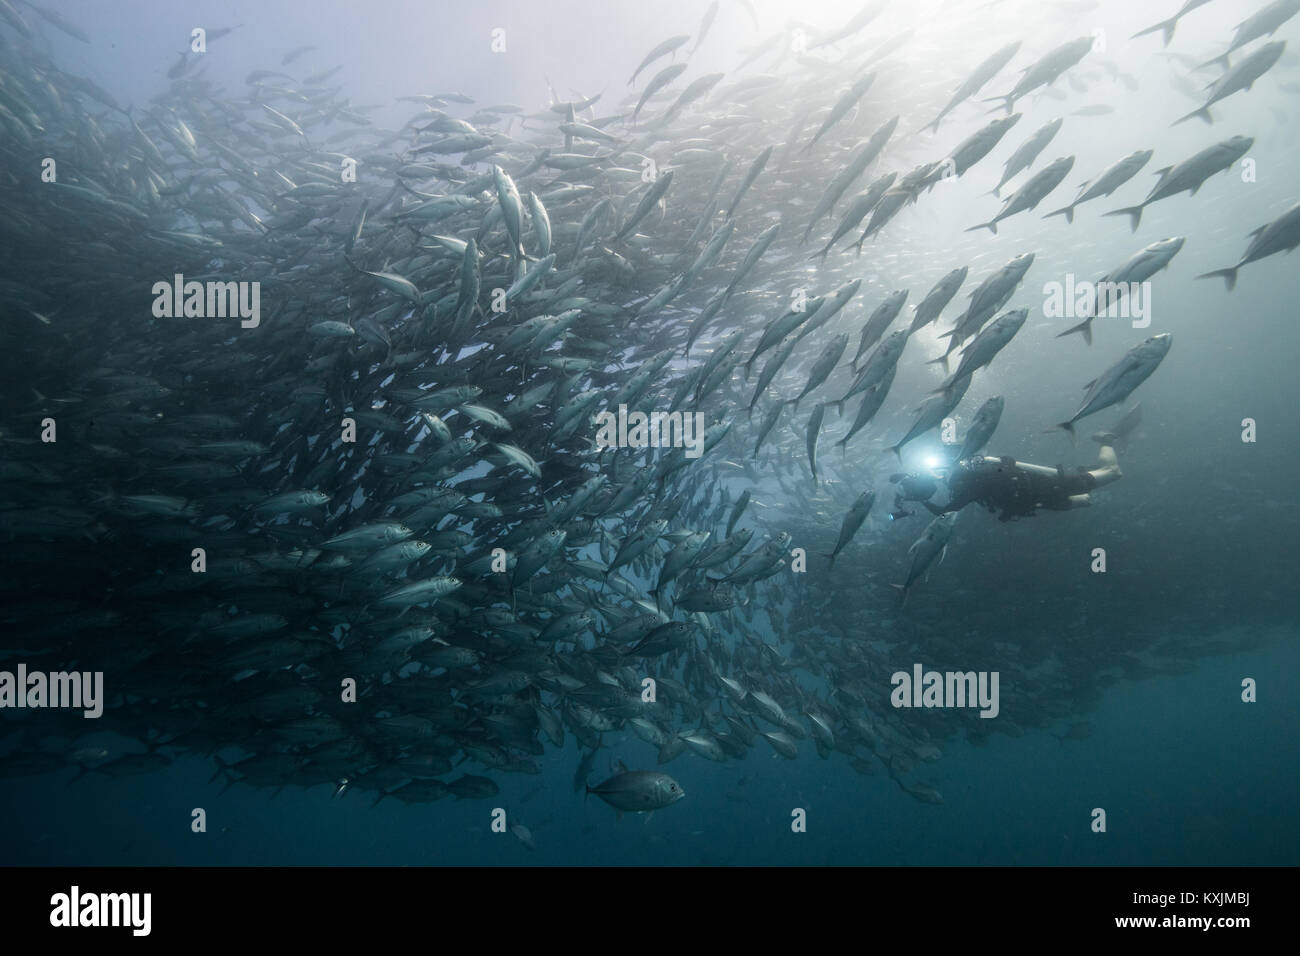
x=1018 y=489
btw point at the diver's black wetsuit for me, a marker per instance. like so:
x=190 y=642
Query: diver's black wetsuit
x=1018 y=489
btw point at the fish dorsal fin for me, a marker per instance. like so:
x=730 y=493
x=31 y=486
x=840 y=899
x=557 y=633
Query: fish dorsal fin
x=1162 y=173
x=622 y=767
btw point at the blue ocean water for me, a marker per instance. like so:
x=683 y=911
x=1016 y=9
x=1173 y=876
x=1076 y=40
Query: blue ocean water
x=1188 y=775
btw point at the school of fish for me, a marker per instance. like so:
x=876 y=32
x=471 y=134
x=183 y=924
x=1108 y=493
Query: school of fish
x=393 y=482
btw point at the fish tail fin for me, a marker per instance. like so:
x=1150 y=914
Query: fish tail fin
x=1203 y=113
x=902 y=588
x=1084 y=328
x=941 y=359
x=991 y=226
x=897 y=450
x=1166 y=27
x=1066 y=427
x=1228 y=275
x=1221 y=60
x=1066 y=211
x=1133 y=212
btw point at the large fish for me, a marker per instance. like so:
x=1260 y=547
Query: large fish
x=989 y=296
x=855 y=23
x=660 y=80
x=879 y=322
x=1111 y=288
x=1238 y=78
x=988 y=69
x=842 y=106
x=992 y=339
x=978 y=145
x=853 y=521
x=982 y=427
x=932 y=306
x=1110 y=179
x=856 y=166
x=638 y=791
x=1262 y=23
x=1280 y=235
x=1033 y=192
x=1047 y=69
x=824 y=365
x=933 y=411
x=873 y=396
x=932 y=544
x=663 y=49
x=1117 y=382
x=1189 y=175
x=1027 y=151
